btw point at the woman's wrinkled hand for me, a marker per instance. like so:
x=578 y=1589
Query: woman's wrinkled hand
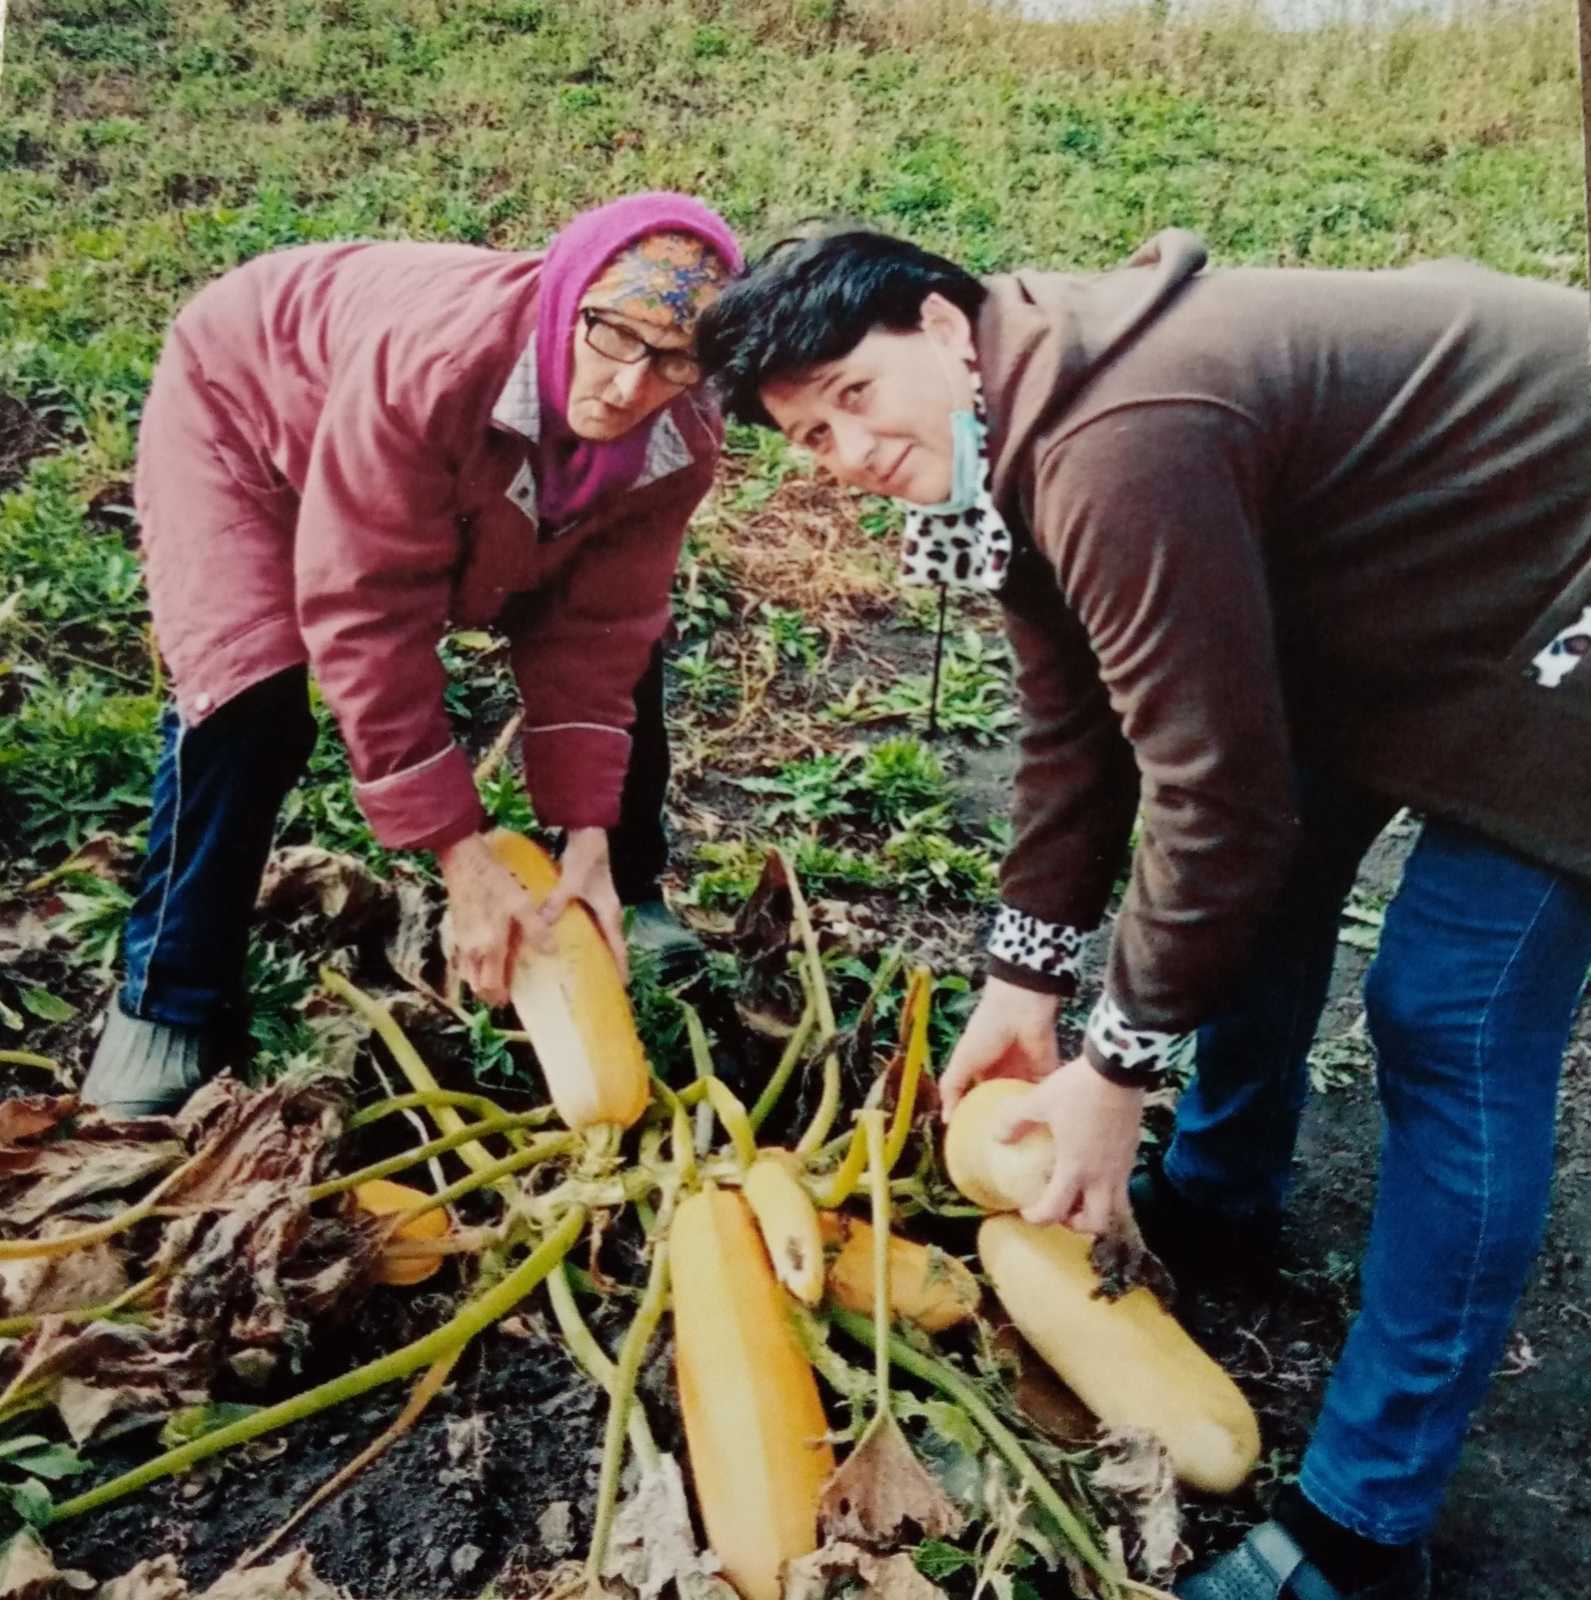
x=1095 y=1125
x=495 y=920
x=584 y=874
x=1011 y=1035
x=491 y=913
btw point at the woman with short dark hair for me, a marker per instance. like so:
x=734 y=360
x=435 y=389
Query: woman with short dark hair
x=1280 y=551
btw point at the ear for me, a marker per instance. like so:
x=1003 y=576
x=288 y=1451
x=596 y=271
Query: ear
x=949 y=326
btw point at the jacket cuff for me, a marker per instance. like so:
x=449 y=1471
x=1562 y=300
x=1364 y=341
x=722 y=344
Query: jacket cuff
x=1136 y=1058
x=575 y=773
x=1034 y=954
x=426 y=806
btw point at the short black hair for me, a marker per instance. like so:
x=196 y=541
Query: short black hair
x=814 y=298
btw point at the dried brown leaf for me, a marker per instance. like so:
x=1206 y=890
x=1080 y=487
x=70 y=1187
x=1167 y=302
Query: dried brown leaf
x=303 y=881
x=110 y=1356
x=290 y=1578
x=881 y=1490
x=653 y=1544
x=86 y=1277
x=156 y=1579
x=1135 y=1478
x=28 y=1571
x=26 y=1116
x=891 y=1577
x=37 y=1181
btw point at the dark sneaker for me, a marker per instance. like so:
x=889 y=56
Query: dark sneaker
x=1270 y=1565
x=655 y=931
x=1197 y=1243
x=146 y=1069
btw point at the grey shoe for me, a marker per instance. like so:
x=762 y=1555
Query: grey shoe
x=655 y=931
x=146 y=1069
x=1270 y=1565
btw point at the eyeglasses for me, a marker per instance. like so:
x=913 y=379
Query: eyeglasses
x=619 y=344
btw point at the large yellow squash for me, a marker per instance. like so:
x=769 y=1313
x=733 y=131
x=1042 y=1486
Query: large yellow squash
x=1128 y=1360
x=754 y=1425
x=574 y=1007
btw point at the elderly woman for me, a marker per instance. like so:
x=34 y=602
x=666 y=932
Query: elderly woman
x=346 y=448
x=1280 y=552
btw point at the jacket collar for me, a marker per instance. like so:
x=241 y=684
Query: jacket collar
x=518 y=410
x=1041 y=337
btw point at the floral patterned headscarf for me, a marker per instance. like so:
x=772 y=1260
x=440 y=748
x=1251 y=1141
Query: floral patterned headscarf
x=658 y=249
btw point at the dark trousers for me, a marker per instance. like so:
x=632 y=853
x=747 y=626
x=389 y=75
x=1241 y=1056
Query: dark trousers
x=218 y=790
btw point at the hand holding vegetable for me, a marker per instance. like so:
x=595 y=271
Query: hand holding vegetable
x=584 y=873
x=1094 y=1124
x=1011 y=1035
x=492 y=915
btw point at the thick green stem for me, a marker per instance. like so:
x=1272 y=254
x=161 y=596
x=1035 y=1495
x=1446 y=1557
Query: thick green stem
x=584 y=1348
x=380 y=1019
x=843 y=1180
x=463 y=1326
x=26 y=1058
x=737 y=1124
x=829 y=1100
x=539 y=1149
x=622 y=1397
x=951 y=1383
x=788 y=1061
x=423 y=1100
x=423 y=1152
x=10 y=1327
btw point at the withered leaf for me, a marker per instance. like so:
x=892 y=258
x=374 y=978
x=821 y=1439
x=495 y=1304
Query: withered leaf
x=1135 y=1477
x=28 y=1571
x=26 y=1116
x=156 y=1579
x=290 y=1578
x=652 y=1544
x=882 y=1490
x=882 y=1577
x=86 y=1277
x=37 y=1181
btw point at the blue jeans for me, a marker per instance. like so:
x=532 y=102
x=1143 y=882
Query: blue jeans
x=218 y=789
x=1469 y=1002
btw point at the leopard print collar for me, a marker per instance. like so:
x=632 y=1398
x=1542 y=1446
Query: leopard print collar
x=968 y=549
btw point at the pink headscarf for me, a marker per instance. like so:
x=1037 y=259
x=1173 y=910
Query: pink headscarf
x=573 y=473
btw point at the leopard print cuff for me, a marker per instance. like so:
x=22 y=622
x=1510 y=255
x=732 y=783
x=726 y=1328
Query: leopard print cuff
x=1140 y=1057
x=1053 y=948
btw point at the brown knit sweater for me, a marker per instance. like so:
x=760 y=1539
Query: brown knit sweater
x=1277 y=519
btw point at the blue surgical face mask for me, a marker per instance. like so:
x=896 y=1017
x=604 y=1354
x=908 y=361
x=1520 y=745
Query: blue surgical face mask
x=966 y=457
x=966 y=466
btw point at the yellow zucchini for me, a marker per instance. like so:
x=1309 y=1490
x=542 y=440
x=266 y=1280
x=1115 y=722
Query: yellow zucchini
x=381 y=1197
x=788 y=1222
x=1128 y=1360
x=573 y=1005
x=926 y=1286
x=991 y=1173
x=754 y=1425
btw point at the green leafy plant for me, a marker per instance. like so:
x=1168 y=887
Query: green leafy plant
x=808 y=791
x=900 y=777
x=708 y=685
x=791 y=637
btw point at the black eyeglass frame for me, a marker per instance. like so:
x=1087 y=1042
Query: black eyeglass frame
x=591 y=317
